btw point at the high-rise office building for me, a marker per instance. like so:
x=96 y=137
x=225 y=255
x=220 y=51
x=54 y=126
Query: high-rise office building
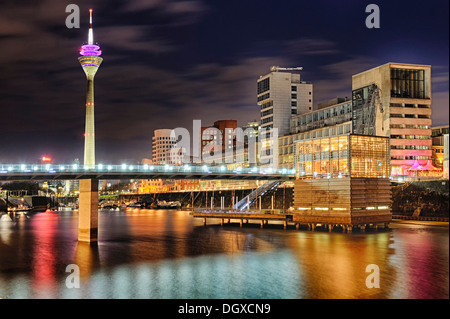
x=394 y=100
x=281 y=95
x=90 y=60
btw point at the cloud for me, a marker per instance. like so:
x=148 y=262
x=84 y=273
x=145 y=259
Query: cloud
x=133 y=38
x=182 y=12
x=336 y=78
x=310 y=46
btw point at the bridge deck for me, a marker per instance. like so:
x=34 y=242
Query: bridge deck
x=115 y=172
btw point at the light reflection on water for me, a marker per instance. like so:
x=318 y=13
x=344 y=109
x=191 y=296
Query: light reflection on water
x=168 y=254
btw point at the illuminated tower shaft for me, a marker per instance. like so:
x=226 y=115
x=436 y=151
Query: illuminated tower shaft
x=90 y=60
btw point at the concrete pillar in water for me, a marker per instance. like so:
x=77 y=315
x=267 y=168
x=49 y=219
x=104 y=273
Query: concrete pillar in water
x=88 y=211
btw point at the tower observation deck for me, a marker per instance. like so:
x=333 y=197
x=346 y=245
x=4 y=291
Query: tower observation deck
x=90 y=60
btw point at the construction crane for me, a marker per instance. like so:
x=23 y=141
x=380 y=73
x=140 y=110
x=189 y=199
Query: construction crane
x=366 y=114
x=277 y=68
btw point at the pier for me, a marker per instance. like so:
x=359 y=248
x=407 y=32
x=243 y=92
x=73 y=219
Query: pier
x=244 y=217
x=264 y=217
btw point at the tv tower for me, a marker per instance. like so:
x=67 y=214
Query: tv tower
x=90 y=60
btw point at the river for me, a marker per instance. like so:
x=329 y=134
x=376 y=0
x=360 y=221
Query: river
x=168 y=254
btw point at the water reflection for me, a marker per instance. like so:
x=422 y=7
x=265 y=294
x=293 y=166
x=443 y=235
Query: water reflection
x=168 y=254
x=335 y=263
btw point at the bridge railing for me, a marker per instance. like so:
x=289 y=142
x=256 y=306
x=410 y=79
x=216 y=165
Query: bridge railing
x=146 y=168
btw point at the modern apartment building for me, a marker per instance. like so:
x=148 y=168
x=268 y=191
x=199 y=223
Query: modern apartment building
x=281 y=95
x=394 y=100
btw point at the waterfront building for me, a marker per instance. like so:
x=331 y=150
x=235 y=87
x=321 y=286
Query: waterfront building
x=342 y=181
x=90 y=60
x=394 y=100
x=332 y=118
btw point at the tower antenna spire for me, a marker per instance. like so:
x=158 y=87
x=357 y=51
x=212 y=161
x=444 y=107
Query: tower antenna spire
x=91 y=31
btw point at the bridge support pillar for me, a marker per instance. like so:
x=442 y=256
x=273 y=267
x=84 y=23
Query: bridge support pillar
x=285 y=224
x=241 y=222
x=88 y=211
x=262 y=223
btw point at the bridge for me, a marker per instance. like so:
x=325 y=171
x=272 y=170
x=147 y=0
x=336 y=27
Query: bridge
x=89 y=177
x=34 y=172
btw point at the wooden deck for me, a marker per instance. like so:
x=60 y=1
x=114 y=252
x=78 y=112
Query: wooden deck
x=244 y=217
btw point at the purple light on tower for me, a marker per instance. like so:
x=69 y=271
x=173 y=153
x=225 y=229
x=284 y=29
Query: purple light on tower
x=90 y=50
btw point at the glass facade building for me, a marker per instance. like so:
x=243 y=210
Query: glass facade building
x=343 y=156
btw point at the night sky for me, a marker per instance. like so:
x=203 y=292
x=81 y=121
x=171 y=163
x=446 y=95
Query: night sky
x=169 y=62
